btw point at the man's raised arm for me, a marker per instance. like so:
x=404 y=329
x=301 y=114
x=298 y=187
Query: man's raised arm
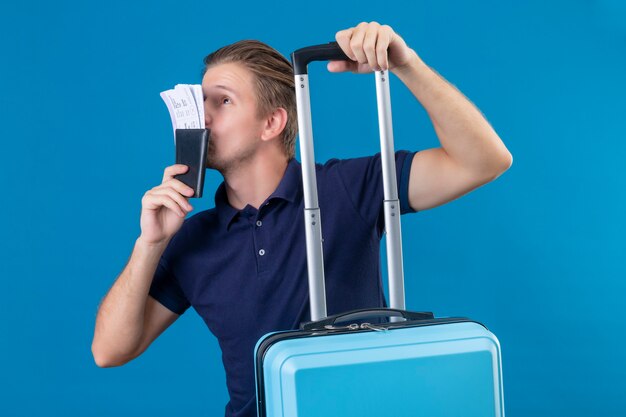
x=471 y=152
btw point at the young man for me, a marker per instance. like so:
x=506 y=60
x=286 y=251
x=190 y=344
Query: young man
x=242 y=265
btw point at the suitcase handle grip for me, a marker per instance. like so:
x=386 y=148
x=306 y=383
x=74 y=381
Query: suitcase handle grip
x=325 y=52
x=365 y=313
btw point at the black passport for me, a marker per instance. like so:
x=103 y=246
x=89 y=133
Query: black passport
x=191 y=150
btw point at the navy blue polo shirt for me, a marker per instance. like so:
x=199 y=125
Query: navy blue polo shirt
x=245 y=271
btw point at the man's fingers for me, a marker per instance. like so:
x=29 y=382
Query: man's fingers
x=342 y=66
x=343 y=39
x=169 y=195
x=370 y=41
x=356 y=43
x=179 y=186
x=367 y=44
x=153 y=201
x=173 y=170
x=174 y=195
x=382 y=46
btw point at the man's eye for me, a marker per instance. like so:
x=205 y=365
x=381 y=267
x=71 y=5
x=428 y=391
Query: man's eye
x=226 y=100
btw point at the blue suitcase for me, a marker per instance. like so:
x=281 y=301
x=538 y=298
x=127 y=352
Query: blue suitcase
x=380 y=362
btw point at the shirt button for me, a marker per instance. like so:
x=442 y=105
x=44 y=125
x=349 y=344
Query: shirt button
x=262 y=252
x=259 y=223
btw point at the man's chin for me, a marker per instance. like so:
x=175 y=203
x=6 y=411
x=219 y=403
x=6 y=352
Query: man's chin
x=217 y=164
x=212 y=164
x=226 y=165
x=212 y=161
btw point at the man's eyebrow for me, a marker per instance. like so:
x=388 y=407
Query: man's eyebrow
x=222 y=87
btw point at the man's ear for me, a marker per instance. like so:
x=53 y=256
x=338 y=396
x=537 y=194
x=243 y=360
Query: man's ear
x=274 y=124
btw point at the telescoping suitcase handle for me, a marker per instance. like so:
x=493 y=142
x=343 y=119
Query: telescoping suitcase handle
x=315 y=261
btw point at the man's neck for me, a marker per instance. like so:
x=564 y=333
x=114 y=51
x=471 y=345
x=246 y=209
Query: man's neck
x=255 y=182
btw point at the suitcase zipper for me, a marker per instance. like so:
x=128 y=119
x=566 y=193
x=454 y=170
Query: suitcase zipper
x=348 y=327
x=374 y=327
x=355 y=326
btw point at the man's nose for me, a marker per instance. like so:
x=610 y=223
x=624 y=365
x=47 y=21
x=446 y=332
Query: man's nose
x=208 y=120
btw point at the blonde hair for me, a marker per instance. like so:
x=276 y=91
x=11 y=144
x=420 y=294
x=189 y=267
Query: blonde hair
x=273 y=81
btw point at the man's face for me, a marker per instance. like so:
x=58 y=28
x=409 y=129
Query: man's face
x=230 y=110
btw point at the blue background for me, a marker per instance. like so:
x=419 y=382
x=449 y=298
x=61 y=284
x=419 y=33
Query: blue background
x=538 y=255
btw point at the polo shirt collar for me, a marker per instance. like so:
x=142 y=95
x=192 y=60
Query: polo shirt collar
x=290 y=186
x=289 y=189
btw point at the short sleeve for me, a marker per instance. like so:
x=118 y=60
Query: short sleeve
x=363 y=182
x=166 y=290
x=404 y=173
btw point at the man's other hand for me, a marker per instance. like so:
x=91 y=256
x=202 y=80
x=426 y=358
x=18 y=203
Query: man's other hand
x=371 y=47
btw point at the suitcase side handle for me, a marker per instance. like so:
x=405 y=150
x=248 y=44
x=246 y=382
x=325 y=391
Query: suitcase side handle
x=324 y=52
x=363 y=314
